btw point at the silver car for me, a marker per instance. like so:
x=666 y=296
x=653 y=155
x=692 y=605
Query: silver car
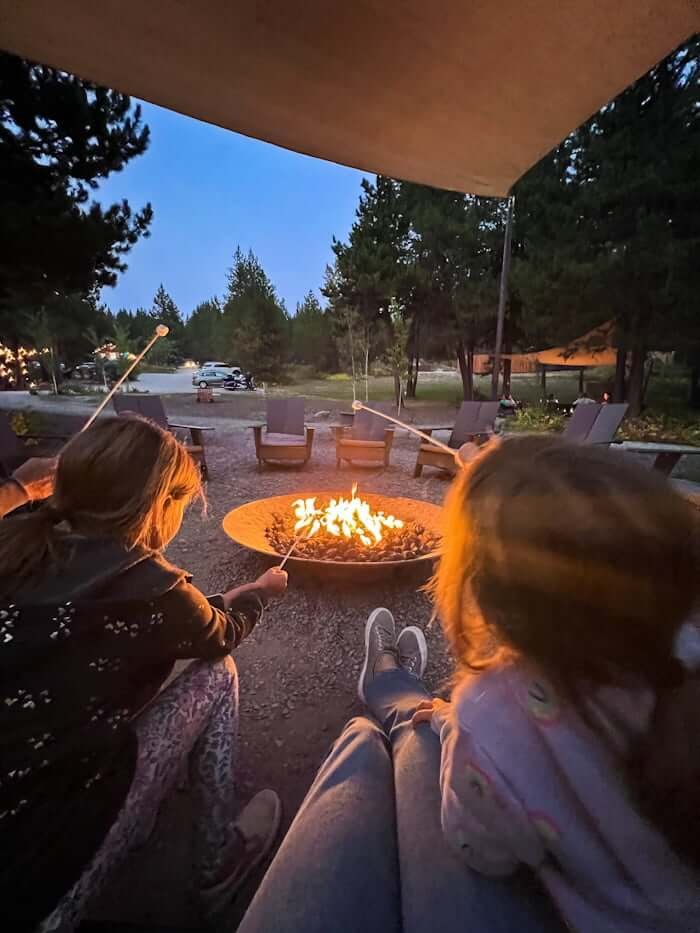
x=211 y=376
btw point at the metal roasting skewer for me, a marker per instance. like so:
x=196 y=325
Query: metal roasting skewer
x=360 y=406
x=289 y=552
x=161 y=331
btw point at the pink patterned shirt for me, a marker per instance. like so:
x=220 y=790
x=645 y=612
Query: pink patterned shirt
x=525 y=779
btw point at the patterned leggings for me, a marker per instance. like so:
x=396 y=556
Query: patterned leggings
x=194 y=720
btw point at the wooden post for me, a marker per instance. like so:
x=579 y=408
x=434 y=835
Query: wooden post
x=502 y=296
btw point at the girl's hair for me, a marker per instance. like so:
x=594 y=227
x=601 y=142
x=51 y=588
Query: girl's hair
x=586 y=564
x=124 y=478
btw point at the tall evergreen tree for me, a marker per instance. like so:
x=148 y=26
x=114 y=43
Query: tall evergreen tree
x=606 y=225
x=203 y=331
x=255 y=325
x=59 y=137
x=312 y=335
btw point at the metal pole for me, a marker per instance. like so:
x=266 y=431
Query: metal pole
x=502 y=295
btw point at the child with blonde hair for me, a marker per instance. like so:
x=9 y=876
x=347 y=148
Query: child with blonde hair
x=92 y=619
x=571 y=746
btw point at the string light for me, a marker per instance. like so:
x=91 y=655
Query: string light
x=15 y=361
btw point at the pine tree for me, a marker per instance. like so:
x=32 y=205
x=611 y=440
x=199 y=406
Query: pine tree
x=312 y=335
x=203 y=331
x=255 y=324
x=59 y=137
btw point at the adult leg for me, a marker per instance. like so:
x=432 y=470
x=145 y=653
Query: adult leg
x=337 y=868
x=438 y=892
x=195 y=717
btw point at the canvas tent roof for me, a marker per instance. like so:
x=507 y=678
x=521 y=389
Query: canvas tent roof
x=464 y=94
x=595 y=348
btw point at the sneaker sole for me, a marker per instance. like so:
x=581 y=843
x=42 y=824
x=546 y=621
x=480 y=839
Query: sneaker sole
x=422 y=646
x=363 y=673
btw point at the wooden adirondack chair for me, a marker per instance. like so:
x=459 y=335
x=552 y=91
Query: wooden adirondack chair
x=474 y=422
x=284 y=437
x=151 y=407
x=580 y=423
x=595 y=423
x=368 y=439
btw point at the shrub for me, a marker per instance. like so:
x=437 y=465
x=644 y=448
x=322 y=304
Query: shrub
x=26 y=422
x=661 y=429
x=535 y=420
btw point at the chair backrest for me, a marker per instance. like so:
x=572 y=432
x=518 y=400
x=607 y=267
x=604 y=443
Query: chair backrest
x=581 y=422
x=285 y=415
x=367 y=426
x=487 y=416
x=10 y=444
x=148 y=406
x=606 y=424
x=151 y=406
x=465 y=423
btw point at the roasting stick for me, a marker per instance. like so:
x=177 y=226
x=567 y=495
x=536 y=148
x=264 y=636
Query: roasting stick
x=292 y=548
x=160 y=331
x=359 y=406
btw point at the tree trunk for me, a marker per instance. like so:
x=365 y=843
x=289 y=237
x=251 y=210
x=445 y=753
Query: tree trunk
x=507 y=366
x=635 y=388
x=397 y=390
x=619 y=386
x=543 y=382
x=694 y=397
x=367 y=364
x=580 y=380
x=414 y=363
x=465 y=372
x=647 y=379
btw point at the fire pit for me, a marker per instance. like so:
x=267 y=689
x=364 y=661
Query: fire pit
x=339 y=531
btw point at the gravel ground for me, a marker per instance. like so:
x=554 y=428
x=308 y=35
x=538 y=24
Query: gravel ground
x=298 y=670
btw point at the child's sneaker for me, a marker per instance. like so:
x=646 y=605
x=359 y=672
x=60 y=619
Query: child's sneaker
x=254 y=835
x=380 y=646
x=413 y=651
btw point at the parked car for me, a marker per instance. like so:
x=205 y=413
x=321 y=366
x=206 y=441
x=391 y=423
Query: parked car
x=85 y=371
x=211 y=376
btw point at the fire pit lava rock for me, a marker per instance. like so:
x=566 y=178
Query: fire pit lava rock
x=268 y=527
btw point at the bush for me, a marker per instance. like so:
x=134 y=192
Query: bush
x=535 y=420
x=660 y=429
x=26 y=422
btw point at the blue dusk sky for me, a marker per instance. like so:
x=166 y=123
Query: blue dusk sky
x=212 y=189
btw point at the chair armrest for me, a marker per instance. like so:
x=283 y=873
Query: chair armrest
x=191 y=427
x=388 y=437
x=339 y=430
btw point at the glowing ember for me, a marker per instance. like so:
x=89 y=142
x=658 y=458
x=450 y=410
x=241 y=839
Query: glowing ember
x=347 y=528
x=347 y=518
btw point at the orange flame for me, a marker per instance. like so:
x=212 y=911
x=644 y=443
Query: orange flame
x=348 y=518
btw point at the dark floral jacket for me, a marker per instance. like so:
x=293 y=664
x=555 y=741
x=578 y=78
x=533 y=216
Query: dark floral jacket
x=81 y=653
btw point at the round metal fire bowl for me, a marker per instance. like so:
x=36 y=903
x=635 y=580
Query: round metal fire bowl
x=247 y=524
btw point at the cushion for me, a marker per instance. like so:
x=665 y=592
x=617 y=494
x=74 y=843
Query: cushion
x=284 y=440
x=349 y=442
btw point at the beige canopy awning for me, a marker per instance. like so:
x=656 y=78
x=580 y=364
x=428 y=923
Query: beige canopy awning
x=462 y=94
x=595 y=348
